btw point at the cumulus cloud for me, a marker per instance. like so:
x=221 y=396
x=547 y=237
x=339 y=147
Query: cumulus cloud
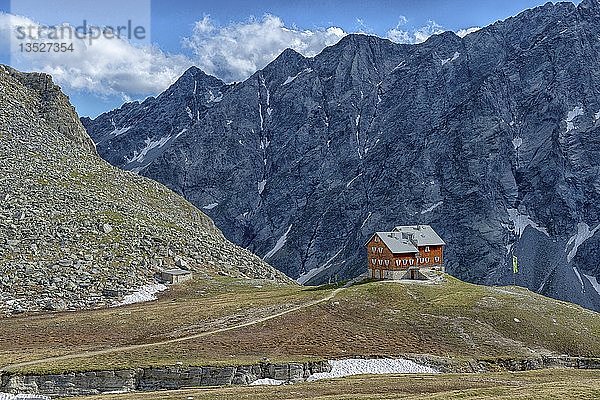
x=400 y=34
x=108 y=67
x=467 y=31
x=104 y=66
x=235 y=51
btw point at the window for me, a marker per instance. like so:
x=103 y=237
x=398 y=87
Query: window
x=426 y=249
x=427 y=260
x=437 y=259
x=376 y=239
x=374 y=249
x=373 y=261
x=387 y=262
x=404 y=262
x=381 y=250
x=380 y=262
x=398 y=263
x=411 y=262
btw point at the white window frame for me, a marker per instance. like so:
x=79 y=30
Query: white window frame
x=386 y=262
x=426 y=249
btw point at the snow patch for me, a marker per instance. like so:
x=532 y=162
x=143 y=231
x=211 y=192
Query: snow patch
x=120 y=131
x=213 y=98
x=189 y=113
x=280 y=243
x=366 y=219
x=352 y=180
x=517 y=142
x=571 y=115
x=579 y=277
x=433 y=207
x=402 y=64
x=210 y=206
x=453 y=58
x=593 y=282
x=143 y=294
x=290 y=79
x=355 y=366
x=139 y=168
x=261 y=186
x=150 y=145
x=302 y=279
x=583 y=233
x=267 y=382
x=181 y=133
x=521 y=221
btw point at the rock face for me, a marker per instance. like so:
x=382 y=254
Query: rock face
x=492 y=139
x=180 y=377
x=72 y=227
x=152 y=379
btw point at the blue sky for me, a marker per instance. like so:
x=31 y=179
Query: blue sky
x=186 y=32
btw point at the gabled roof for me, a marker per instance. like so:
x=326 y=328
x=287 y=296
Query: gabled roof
x=423 y=235
x=395 y=243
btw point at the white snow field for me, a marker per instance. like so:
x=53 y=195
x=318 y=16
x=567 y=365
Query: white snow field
x=357 y=366
x=143 y=294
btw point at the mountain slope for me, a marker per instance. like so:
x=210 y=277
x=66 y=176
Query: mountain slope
x=490 y=138
x=73 y=228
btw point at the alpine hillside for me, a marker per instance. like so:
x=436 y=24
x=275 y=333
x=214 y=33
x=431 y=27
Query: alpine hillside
x=76 y=232
x=492 y=138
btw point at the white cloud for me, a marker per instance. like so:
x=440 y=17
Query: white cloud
x=235 y=51
x=400 y=34
x=467 y=31
x=109 y=67
x=104 y=67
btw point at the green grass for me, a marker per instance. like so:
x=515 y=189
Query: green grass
x=455 y=320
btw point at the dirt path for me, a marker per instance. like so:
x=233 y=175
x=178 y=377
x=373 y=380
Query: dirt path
x=84 y=354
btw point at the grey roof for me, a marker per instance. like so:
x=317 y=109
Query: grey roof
x=176 y=272
x=423 y=235
x=395 y=243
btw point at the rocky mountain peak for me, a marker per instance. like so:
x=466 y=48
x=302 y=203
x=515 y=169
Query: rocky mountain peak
x=489 y=138
x=51 y=104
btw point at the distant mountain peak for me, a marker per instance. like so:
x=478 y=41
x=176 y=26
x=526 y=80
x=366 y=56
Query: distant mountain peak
x=196 y=74
x=453 y=132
